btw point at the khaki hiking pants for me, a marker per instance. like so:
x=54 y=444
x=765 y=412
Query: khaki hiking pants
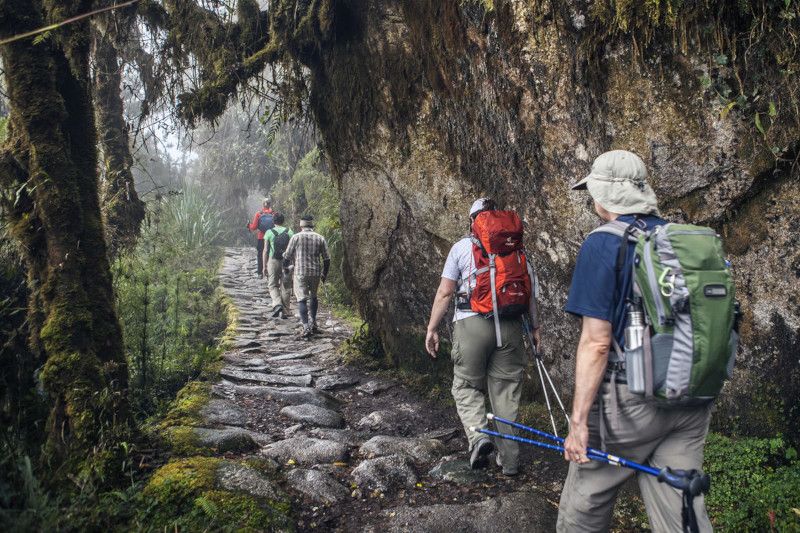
x=480 y=366
x=646 y=434
x=280 y=285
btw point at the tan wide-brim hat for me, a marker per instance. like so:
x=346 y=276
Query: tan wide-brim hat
x=618 y=182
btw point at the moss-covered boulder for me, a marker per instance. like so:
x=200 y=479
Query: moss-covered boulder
x=197 y=494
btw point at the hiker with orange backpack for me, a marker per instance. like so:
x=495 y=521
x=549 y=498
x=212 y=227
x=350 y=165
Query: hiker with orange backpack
x=492 y=281
x=261 y=223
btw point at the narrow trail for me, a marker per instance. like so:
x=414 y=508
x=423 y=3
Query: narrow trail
x=357 y=452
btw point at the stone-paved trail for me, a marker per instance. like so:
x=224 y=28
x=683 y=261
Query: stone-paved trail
x=354 y=451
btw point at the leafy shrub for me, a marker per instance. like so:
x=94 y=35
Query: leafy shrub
x=168 y=300
x=755 y=484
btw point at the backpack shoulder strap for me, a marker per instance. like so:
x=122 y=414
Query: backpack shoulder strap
x=626 y=232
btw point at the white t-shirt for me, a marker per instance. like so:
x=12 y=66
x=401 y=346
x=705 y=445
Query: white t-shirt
x=458 y=266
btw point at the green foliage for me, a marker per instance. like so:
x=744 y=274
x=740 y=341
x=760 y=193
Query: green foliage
x=755 y=484
x=182 y=495
x=168 y=300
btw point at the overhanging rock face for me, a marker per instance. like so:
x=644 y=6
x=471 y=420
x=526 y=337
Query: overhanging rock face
x=425 y=106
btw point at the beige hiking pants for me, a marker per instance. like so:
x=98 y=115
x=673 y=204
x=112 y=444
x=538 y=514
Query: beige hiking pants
x=646 y=434
x=479 y=366
x=280 y=285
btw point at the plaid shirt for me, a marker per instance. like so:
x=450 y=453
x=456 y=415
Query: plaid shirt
x=305 y=250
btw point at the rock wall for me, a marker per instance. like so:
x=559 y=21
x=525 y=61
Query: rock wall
x=424 y=106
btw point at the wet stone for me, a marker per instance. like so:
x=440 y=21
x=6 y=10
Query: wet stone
x=375 y=386
x=423 y=450
x=229 y=439
x=457 y=471
x=246 y=343
x=271 y=379
x=290 y=395
x=313 y=415
x=223 y=412
x=333 y=382
x=318 y=486
x=297 y=370
x=306 y=450
x=238 y=477
x=386 y=474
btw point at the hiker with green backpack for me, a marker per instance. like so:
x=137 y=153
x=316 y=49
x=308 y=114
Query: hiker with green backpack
x=276 y=240
x=657 y=342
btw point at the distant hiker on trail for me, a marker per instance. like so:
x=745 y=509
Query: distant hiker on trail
x=488 y=351
x=617 y=405
x=262 y=221
x=308 y=253
x=276 y=240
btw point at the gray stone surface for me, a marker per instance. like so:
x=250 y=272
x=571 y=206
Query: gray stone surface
x=313 y=415
x=423 y=450
x=297 y=370
x=518 y=511
x=345 y=436
x=318 y=486
x=375 y=386
x=223 y=412
x=239 y=477
x=457 y=470
x=246 y=343
x=334 y=381
x=386 y=474
x=230 y=439
x=259 y=377
x=306 y=451
x=290 y=395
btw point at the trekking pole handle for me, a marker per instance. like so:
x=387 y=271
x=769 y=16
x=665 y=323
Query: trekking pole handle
x=692 y=482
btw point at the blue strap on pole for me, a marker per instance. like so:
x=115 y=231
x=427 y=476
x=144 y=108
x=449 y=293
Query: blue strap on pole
x=611 y=459
x=691 y=483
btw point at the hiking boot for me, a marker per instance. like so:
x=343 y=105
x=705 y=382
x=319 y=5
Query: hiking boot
x=284 y=316
x=480 y=454
x=506 y=471
x=314 y=328
x=306 y=333
x=277 y=311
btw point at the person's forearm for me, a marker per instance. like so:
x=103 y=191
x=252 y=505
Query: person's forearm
x=590 y=367
x=440 y=305
x=326 y=266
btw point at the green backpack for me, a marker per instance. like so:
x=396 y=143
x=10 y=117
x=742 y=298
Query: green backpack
x=684 y=286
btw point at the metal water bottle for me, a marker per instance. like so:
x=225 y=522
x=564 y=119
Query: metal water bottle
x=634 y=331
x=634 y=351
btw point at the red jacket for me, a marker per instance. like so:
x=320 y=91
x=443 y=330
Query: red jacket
x=254 y=224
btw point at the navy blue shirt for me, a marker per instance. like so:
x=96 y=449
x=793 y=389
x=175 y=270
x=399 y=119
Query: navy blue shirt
x=597 y=290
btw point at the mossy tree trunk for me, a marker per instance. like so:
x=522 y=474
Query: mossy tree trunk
x=50 y=159
x=123 y=209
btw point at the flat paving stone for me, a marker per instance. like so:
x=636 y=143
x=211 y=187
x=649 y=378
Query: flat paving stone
x=333 y=382
x=297 y=370
x=290 y=395
x=306 y=451
x=385 y=474
x=313 y=415
x=422 y=450
x=375 y=386
x=271 y=379
x=239 y=477
x=246 y=343
x=223 y=412
x=318 y=486
x=518 y=511
x=230 y=439
x=457 y=470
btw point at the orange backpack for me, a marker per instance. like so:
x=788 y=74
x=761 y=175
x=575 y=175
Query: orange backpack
x=502 y=278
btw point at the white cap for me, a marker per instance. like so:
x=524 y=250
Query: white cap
x=477 y=205
x=618 y=181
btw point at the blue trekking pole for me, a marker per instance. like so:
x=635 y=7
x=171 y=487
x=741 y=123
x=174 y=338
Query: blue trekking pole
x=691 y=483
